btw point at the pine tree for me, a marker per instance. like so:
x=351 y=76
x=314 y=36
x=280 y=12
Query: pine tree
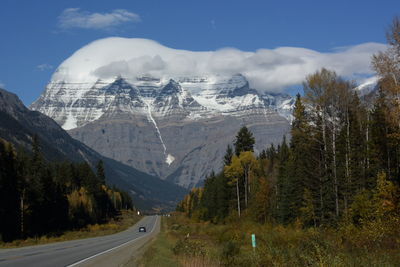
x=37 y=157
x=223 y=196
x=300 y=176
x=100 y=172
x=307 y=209
x=244 y=141
x=208 y=200
x=283 y=185
x=353 y=151
x=228 y=155
x=379 y=147
x=9 y=194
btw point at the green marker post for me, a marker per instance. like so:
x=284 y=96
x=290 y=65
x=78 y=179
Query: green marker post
x=253 y=242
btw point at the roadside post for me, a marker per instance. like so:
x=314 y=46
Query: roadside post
x=253 y=242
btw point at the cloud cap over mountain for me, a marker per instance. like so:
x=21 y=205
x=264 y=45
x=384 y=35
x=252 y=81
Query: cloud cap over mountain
x=266 y=69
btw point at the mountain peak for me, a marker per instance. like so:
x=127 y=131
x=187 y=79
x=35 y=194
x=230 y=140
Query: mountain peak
x=172 y=87
x=120 y=84
x=10 y=103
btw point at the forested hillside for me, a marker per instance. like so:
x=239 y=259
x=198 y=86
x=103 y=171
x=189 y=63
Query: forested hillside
x=38 y=197
x=19 y=125
x=341 y=164
x=340 y=168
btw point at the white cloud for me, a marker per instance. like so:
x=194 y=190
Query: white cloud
x=44 y=66
x=76 y=18
x=270 y=70
x=2 y=85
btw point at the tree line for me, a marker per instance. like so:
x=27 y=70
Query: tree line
x=38 y=197
x=341 y=164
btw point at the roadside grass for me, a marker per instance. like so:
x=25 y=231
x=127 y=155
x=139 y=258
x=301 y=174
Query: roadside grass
x=159 y=253
x=175 y=246
x=191 y=243
x=120 y=223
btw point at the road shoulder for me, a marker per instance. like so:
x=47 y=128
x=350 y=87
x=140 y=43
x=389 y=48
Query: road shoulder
x=126 y=254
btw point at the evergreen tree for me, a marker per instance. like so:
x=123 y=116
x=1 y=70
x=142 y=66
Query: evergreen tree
x=379 y=147
x=223 y=196
x=244 y=141
x=307 y=209
x=300 y=160
x=9 y=194
x=100 y=172
x=209 y=198
x=37 y=160
x=271 y=156
x=283 y=185
x=39 y=198
x=228 y=155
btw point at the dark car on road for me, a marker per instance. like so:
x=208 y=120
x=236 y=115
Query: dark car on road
x=142 y=229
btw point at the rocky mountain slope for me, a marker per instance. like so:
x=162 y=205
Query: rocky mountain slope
x=167 y=112
x=18 y=124
x=176 y=129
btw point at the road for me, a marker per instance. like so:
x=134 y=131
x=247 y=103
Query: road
x=111 y=250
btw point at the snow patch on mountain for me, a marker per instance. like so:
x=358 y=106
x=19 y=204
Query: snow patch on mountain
x=70 y=123
x=168 y=158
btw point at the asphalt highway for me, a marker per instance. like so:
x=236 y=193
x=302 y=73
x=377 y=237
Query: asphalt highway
x=113 y=249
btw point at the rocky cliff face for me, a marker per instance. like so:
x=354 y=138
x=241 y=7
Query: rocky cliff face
x=176 y=129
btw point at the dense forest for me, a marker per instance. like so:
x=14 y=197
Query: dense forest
x=38 y=197
x=340 y=167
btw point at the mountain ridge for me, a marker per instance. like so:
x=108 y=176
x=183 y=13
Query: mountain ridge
x=18 y=125
x=226 y=96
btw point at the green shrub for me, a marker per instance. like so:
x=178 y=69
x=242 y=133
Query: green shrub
x=230 y=250
x=185 y=247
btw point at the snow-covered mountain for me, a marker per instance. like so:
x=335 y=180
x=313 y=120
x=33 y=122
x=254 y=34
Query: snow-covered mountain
x=171 y=125
x=73 y=105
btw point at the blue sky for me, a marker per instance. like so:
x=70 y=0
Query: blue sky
x=36 y=36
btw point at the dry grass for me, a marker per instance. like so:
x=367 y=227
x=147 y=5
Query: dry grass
x=160 y=251
x=120 y=223
x=198 y=244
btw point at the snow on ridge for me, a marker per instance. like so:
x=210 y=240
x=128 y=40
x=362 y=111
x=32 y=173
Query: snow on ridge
x=75 y=104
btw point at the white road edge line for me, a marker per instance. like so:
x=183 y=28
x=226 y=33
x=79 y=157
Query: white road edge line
x=111 y=249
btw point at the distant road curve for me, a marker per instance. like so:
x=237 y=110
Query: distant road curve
x=111 y=250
